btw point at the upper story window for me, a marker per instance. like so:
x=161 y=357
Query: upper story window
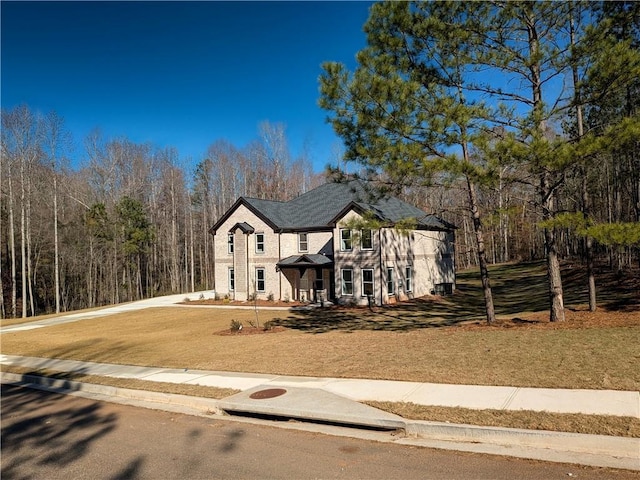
x=259 y=242
x=346 y=241
x=303 y=242
x=230 y=243
x=366 y=239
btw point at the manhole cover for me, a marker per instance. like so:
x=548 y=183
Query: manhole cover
x=268 y=393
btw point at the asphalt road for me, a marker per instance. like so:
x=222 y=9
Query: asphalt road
x=52 y=436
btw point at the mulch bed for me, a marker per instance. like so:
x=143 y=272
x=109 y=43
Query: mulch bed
x=574 y=319
x=238 y=303
x=249 y=331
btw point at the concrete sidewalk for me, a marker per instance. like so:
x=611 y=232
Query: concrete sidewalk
x=592 y=402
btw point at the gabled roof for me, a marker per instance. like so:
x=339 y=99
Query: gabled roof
x=305 y=260
x=322 y=207
x=243 y=226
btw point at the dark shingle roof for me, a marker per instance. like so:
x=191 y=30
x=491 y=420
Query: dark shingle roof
x=305 y=260
x=244 y=226
x=318 y=209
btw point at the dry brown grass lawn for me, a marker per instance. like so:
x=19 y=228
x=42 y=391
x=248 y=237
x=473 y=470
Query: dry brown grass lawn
x=182 y=337
x=528 y=420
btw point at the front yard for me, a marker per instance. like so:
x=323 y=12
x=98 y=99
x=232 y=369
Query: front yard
x=440 y=340
x=360 y=344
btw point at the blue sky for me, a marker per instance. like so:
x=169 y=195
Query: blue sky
x=181 y=74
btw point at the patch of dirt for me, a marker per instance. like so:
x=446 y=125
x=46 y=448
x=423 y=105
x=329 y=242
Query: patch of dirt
x=238 y=303
x=574 y=319
x=249 y=331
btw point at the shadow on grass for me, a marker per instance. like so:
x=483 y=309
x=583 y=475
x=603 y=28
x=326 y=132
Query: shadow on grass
x=93 y=350
x=516 y=288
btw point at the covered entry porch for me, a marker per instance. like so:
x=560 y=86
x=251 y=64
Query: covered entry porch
x=310 y=276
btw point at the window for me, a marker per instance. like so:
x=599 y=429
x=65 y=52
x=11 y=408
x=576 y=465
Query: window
x=259 y=242
x=391 y=286
x=408 y=279
x=367 y=282
x=347 y=281
x=232 y=280
x=367 y=239
x=260 y=280
x=230 y=243
x=345 y=240
x=303 y=242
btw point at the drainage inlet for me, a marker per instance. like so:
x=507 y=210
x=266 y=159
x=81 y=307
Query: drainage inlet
x=268 y=393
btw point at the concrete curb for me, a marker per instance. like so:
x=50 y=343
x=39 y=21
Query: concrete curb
x=593 y=450
x=203 y=405
x=623 y=447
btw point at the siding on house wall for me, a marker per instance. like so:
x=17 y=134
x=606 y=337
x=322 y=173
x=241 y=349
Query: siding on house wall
x=318 y=242
x=434 y=254
x=428 y=253
x=357 y=259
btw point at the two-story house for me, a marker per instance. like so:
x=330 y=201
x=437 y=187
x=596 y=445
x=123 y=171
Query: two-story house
x=307 y=249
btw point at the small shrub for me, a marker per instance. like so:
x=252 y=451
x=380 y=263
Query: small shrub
x=217 y=297
x=268 y=325
x=271 y=297
x=253 y=297
x=348 y=302
x=286 y=298
x=202 y=296
x=236 y=325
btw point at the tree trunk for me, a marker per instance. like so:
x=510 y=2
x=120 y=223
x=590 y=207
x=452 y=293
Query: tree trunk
x=588 y=247
x=55 y=241
x=547 y=191
x=588 y=244
x=175 y=273
x=482 y=257
x=556 y=313
x=2 y=306
x=12 y=247
x=555 y=281
x=23 y=238
x=30 y=272
x=191 y=248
